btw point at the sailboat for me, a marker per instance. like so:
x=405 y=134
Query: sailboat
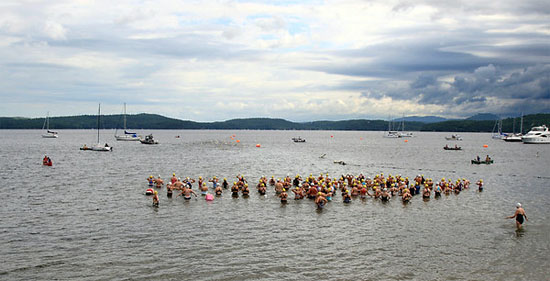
x=497 y=130
x=515 y=137
x=391 y=134
x=49 y=134
x=98 y=146
x=127 y=136
x=402 y=133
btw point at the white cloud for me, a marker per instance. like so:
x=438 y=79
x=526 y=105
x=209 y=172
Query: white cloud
x=223 y=59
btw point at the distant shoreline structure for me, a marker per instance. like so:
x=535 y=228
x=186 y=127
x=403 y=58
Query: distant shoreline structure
x=155 y=121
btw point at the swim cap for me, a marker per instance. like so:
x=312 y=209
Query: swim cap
x=156 y=192
x=319 y=193
x=173 y=174
x=284 y=190
x=234 y=182
x=159 y=176
x=518 y=205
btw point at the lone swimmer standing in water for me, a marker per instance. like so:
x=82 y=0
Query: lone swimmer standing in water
x=519 y=215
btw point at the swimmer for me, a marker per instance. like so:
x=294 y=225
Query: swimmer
x=156 y=199
x=218 y=190
x=169 y=189
x=174 y=179
x=186 y=193
x=320 y=200
x=150 y=180
x=225 y=184
x=519 y=215
x=480 y=185
x=158 y=182
x=283 y=196
x=204 y=189
x=235 y=190
x=245 y=190
x=346 y=197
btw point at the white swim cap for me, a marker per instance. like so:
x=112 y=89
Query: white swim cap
x=518 y=205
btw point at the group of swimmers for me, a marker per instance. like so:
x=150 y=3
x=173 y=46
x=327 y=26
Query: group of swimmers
x=322 y=189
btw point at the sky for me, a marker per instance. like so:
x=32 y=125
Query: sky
x=297 y=60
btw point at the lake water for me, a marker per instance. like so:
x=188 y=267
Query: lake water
x=86 y=218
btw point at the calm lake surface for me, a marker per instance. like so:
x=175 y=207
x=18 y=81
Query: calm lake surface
x=86 y=218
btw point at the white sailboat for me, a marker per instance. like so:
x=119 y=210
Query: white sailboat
x=49 y=134
x=98 y=146
x=497 y=130
x=515 y=137
x=127 y=136
x=390 y=133
x=402 y=133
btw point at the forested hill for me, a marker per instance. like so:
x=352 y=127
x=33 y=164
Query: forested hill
x=153 y=121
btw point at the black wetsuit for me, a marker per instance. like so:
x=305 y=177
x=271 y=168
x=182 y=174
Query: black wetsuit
x=519 y=218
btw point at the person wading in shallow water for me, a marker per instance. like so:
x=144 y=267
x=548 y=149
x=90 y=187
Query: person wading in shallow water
x=519 y=215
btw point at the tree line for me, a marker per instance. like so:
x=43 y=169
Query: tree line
x=154 y=121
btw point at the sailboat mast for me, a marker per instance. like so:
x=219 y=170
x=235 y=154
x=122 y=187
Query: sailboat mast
x=125 y=118
x=98 y=113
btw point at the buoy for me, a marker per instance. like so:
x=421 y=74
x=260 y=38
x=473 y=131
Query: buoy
x=331 y=136
x=485 y=146
x=406 y=140
x=238 y=141
x=258 y=145
x=209 y=197
x=149 y=191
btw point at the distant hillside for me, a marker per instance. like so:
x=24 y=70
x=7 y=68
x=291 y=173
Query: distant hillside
x=483 y=117
x=422 y=119
x=154 y=121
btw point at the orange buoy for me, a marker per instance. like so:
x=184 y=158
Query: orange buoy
x=331 y=136
x=406 y=140
x=258 y=145
x=485 y=146
x=238 y=141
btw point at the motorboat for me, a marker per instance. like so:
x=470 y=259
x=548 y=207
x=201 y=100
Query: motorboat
x=538 y=134
x=298 y=139
x=149 y=140
x=454 y=137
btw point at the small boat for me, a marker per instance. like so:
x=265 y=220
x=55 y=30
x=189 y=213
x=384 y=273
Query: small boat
x=482 y=162
x=127 y=136
x=98 y=146
x=392 y=134
x=149 y=140
x=47 y=161
x=340 y=162
x=452 y=148
x=497 y=131
x=454 y=137
x=515 y=137
x=539 y=134
x=49 y=134
x=298 y=139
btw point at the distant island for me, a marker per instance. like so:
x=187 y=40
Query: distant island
x=154 y=121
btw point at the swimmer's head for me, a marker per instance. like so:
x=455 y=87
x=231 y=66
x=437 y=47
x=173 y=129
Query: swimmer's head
x=318 y=193
x=156 y=192
x=518 y=205
x=173 y=174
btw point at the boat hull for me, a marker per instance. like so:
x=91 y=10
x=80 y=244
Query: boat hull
x=482 y=162
x=536 y=140
x=126 y=138
x=49 y=136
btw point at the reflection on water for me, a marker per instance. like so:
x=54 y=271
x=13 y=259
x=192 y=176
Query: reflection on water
x=86 y=218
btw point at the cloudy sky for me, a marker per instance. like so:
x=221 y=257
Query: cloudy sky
x=298 y=60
